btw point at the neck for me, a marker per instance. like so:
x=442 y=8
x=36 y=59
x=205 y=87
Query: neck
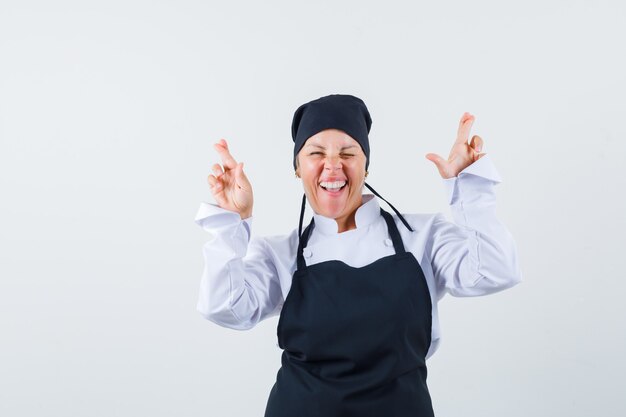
x=348 y=222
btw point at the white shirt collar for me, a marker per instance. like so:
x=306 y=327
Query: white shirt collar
x=367 y=213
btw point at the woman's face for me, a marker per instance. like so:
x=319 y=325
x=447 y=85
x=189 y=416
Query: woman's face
x=332 y=167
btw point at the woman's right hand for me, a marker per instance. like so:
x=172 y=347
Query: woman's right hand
x=229 y=185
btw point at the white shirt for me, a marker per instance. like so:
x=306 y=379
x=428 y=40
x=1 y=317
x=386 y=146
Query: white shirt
x=246 y=278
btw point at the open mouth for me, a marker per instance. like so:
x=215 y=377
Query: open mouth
x=334 y=187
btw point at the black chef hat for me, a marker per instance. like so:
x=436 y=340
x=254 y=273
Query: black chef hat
x=335 y=111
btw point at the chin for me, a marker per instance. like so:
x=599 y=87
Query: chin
x=331 y=214
x=332 y=209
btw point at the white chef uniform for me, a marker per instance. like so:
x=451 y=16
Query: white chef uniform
x=247 y=278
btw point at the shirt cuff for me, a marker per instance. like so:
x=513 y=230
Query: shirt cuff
x=211 y=217
x=483 y=168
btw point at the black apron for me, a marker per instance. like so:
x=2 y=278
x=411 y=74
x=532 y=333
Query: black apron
x=354 y=339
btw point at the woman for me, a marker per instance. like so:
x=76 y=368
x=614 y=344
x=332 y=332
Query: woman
x=357 y=290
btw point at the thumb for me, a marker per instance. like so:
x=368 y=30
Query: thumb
x=438 y=161
x=240 y=177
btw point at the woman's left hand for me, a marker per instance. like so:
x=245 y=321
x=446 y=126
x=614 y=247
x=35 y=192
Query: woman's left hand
x=463 y=153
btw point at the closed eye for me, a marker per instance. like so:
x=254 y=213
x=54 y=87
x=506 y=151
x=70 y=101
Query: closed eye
x=343 y=154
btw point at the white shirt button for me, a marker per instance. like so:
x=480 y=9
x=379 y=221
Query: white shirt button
x=307 y=253
x=388 y=242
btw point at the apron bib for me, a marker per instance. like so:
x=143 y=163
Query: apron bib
x=354 y=340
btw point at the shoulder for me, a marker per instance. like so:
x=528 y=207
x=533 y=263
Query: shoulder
x=283 y=241
x=419 y=222
x=282 y=248
x=426 y=229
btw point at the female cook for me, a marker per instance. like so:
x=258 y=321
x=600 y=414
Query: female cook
x=357 y=290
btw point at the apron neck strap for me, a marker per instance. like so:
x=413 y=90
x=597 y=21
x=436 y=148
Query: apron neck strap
x=390 y=205
x=393 y=231
x=301 y=215
x=303 y=237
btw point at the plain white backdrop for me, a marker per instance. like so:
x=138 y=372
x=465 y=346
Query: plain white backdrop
x=108 y=113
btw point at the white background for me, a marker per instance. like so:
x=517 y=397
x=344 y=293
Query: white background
x=108 y=113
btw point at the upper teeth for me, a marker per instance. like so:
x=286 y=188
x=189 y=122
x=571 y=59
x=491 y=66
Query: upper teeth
x=336 y=184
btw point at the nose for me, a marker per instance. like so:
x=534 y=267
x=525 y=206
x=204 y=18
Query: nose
x=332 y=163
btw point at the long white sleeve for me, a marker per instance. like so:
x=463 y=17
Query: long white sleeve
x=475 y=255
x=240 y=284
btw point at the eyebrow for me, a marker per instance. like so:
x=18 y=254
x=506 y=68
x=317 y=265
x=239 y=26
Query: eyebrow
x=321 y=147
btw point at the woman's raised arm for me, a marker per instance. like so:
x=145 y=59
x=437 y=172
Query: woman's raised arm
x=240 y=284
